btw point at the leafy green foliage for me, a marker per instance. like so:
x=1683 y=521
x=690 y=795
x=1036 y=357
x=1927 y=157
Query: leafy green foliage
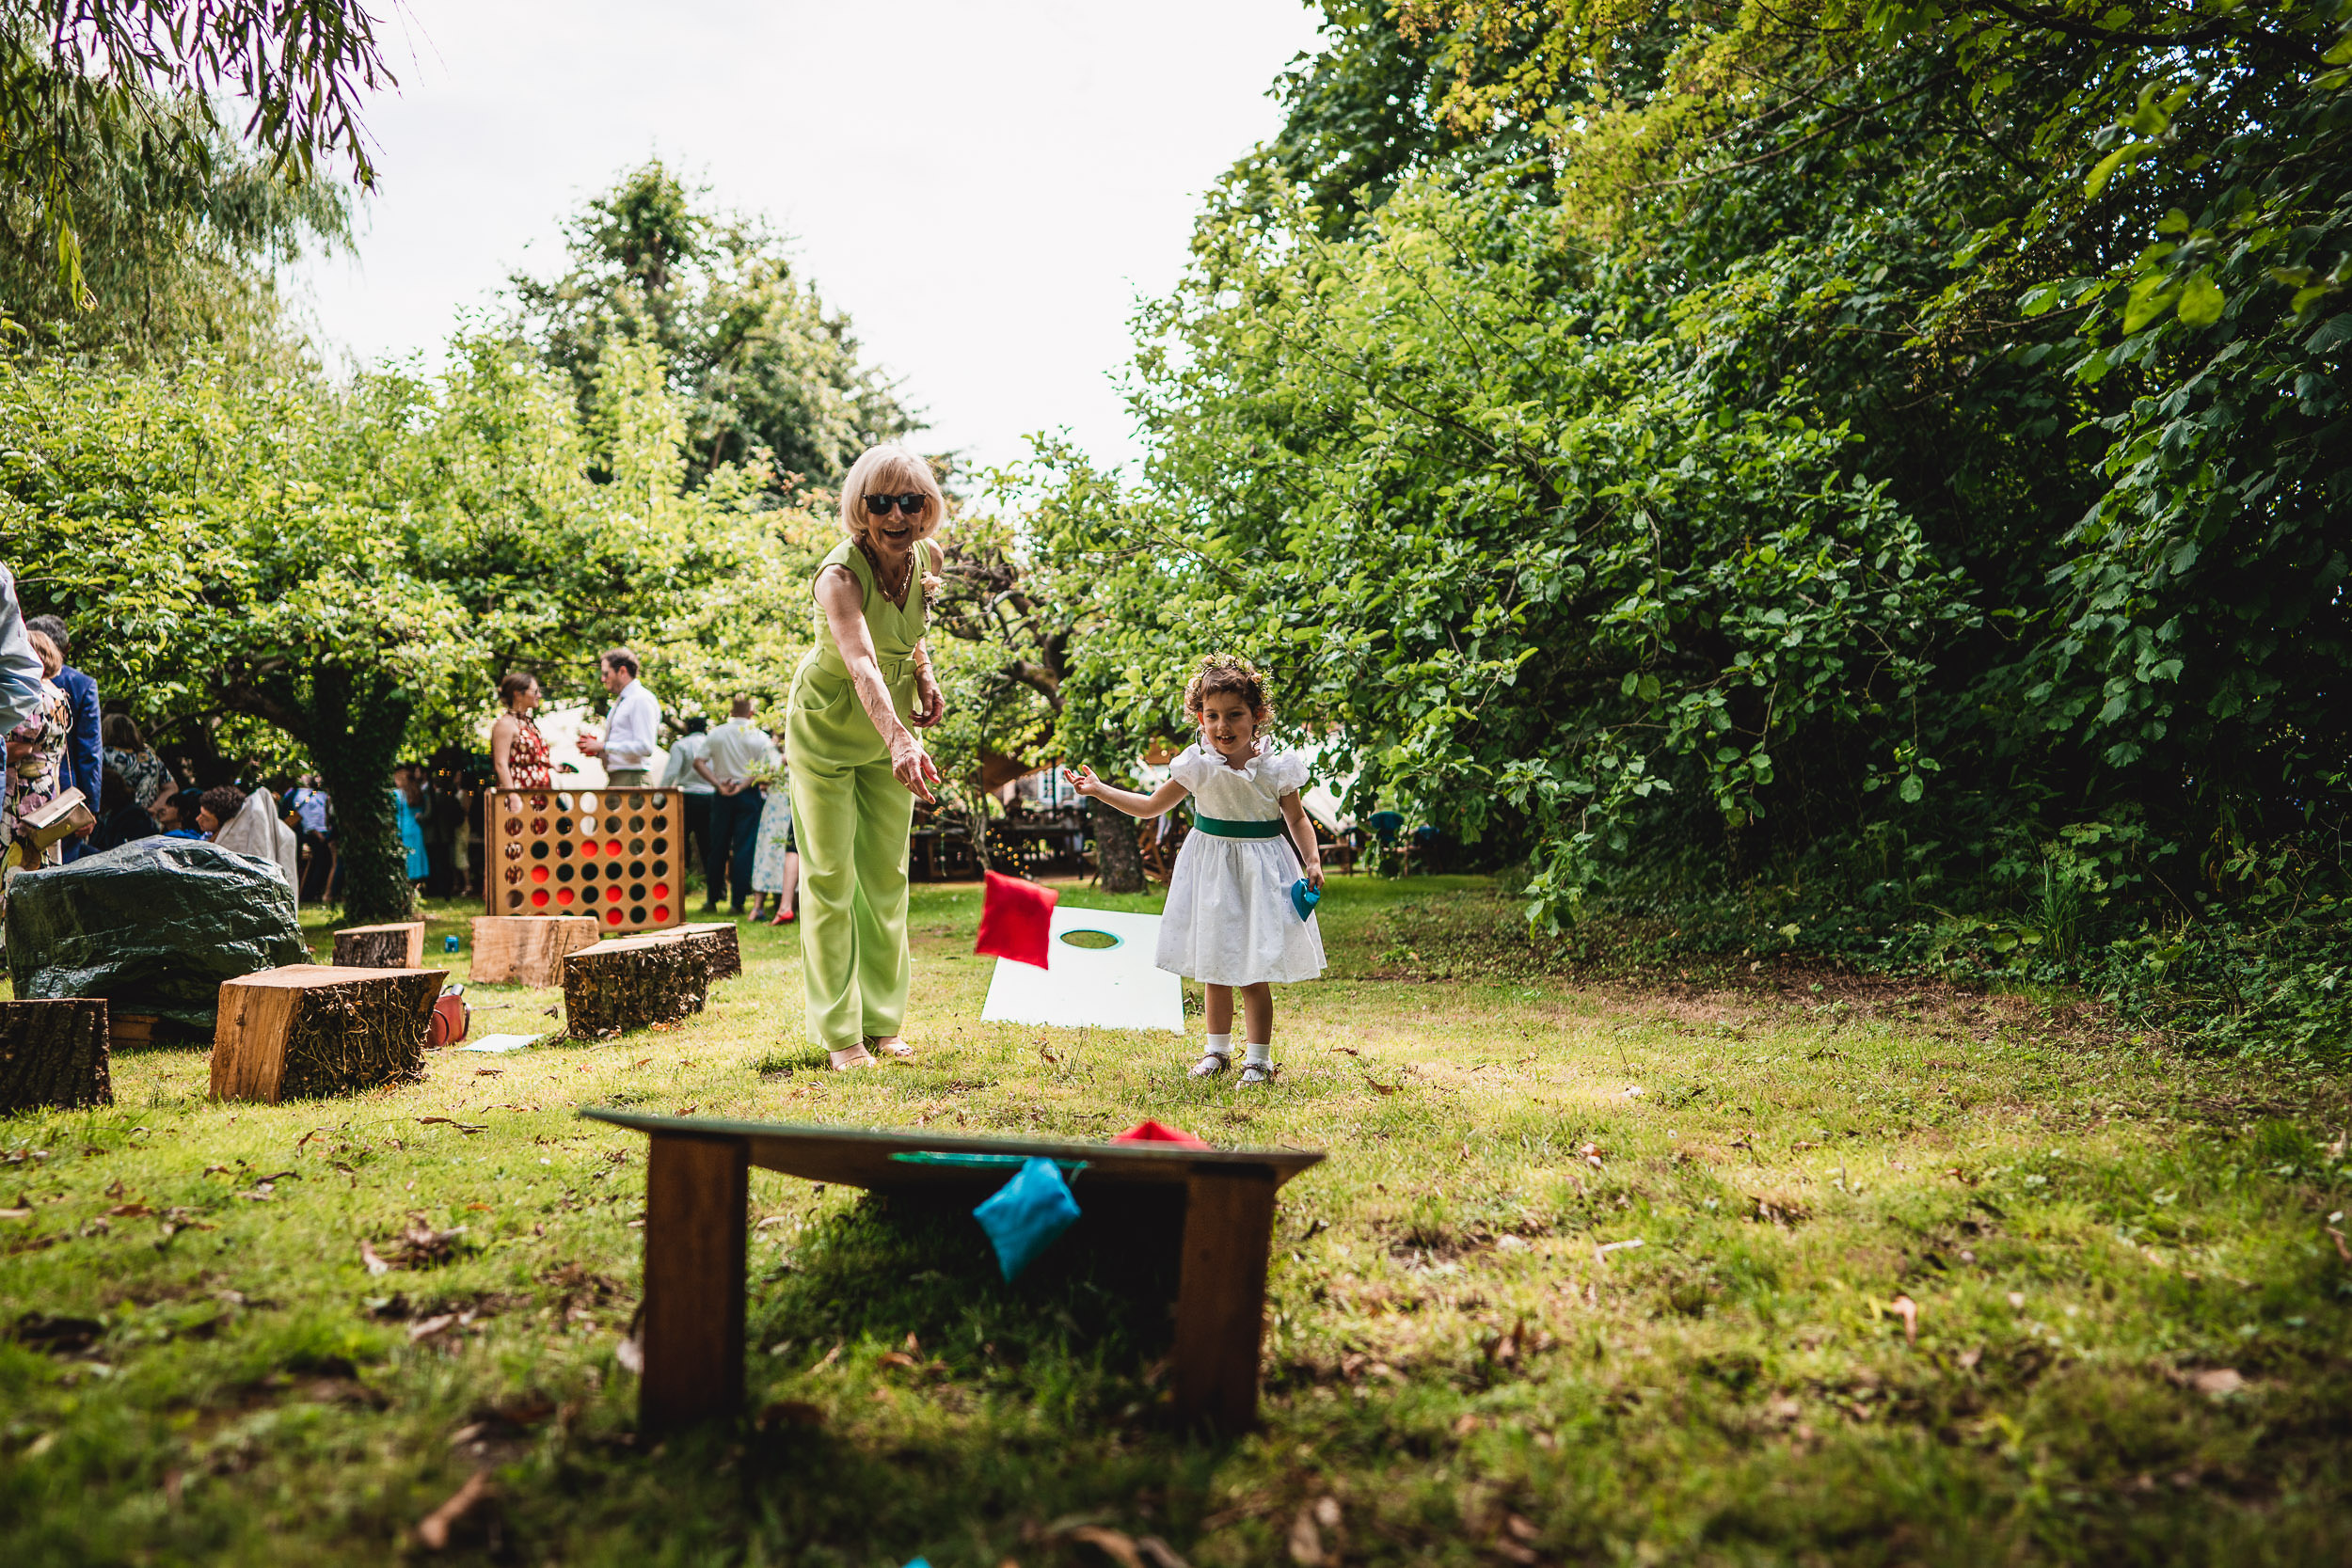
x=341 y=565
x=145 y=87
x=769 y=377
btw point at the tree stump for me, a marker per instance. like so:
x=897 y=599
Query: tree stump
x=53 y=1054
x=310 y=1030
x=527 y=948
x=396 y=946
x=716 y=938
x=633 y=981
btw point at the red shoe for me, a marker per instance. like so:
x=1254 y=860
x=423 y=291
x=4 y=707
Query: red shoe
x=787 y=918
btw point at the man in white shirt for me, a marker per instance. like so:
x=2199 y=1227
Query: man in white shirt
x=628 y=743
x=737 y=750
x=691 y=787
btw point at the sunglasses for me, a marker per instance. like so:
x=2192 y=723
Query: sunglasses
x=910 y=504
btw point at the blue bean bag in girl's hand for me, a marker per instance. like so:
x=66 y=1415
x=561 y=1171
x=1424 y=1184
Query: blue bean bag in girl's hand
x=1304 y=897
x=1027 y=1214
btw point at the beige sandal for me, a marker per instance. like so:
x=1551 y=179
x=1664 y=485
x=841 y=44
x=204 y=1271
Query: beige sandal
x=856 y=1056
x=889 y=1045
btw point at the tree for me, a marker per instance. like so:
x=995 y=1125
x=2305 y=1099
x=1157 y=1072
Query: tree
x=1003 y=644
x=141 y=90
x=347 y=566
x=770 y=378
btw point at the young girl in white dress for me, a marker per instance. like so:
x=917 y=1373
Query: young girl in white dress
x=1229 y=921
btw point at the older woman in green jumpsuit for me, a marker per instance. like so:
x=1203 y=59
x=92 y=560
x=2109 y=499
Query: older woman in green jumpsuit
x=857 y=767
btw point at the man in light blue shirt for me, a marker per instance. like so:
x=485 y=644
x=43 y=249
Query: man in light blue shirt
x=695 y=791
x=630 y=735
x=20 y=667
x=738 y=753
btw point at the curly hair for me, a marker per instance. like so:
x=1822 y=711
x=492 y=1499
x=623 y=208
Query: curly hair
x=224 y=801
x=1226 y=672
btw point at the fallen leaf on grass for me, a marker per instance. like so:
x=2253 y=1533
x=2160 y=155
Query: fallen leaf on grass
x=374 y=1263
x=429 y=1326
x=1306 y=1540
x=1118 y=1546
x=1377 y=1088
x=466 y=1127
x=1907 y=1310
x=2341 y=1251
x=2218 y=1381
x=632 y=1355
x=1345 y=1051
x=434 y=1533
x=15 y=1213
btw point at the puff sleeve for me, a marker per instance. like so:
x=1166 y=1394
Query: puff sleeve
x=1192 y=767
x=1283 y=772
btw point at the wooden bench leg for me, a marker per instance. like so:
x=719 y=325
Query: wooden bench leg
x=696 y=1192
x=1221 y=1297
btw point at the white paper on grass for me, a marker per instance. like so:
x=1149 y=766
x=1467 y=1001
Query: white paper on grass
x=502 y=1043
x=1100 y=988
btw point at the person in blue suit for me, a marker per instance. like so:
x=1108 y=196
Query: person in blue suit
x=83 y=753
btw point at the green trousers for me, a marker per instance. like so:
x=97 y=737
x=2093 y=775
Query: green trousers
x=851 y=816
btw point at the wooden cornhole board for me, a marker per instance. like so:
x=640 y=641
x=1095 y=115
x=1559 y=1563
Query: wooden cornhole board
x=698 y=1182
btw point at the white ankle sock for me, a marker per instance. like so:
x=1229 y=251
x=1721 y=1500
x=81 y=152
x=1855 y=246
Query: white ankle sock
x=1219 y=1045
x=1260 y=1055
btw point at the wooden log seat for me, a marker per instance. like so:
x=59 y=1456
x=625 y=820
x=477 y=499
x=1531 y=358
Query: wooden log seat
x=310 y=1030
x=629 y=982
x=54 y=1054
x=529 y=949
x=400 y=945
x=697 y=1184
x=717 y=938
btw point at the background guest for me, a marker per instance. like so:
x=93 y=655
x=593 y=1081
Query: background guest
x=36 y=749
x=21 y=680
x=128 y=753
x=313 y=832
x=217 y=807
x=178 y=814
x=121 y=818
x=738 y=756
x=84 y=750
x=518 y=758
x=775 y=864
x=627 y=745
x=407 y=798
x=696 y=791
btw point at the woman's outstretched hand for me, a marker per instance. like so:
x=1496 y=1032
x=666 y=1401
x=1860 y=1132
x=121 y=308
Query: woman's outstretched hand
x=914 y=765
x=1083 y=780
x=930 y=707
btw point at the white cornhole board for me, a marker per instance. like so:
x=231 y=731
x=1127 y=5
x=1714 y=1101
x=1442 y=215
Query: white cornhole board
x=1101 y=987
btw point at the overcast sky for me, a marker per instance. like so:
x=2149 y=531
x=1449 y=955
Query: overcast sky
x=985 y=187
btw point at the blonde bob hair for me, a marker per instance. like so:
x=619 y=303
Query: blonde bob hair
x=890 y=470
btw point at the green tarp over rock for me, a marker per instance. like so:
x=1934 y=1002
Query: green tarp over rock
x=153 y=926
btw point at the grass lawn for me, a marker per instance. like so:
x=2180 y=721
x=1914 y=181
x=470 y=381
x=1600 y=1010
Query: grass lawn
x=1724 y=1269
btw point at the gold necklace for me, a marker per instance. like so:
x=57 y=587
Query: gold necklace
x=899 y=594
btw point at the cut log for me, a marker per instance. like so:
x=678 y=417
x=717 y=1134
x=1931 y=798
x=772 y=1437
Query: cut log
x=308 y=1030
x=395 y=946
x=716 y=938
x=53 y=1054
x=633 y=981
x=527 y=948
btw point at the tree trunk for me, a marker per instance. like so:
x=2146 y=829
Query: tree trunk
x=357 y=727
x=53 y=1054
x=1117 y=853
